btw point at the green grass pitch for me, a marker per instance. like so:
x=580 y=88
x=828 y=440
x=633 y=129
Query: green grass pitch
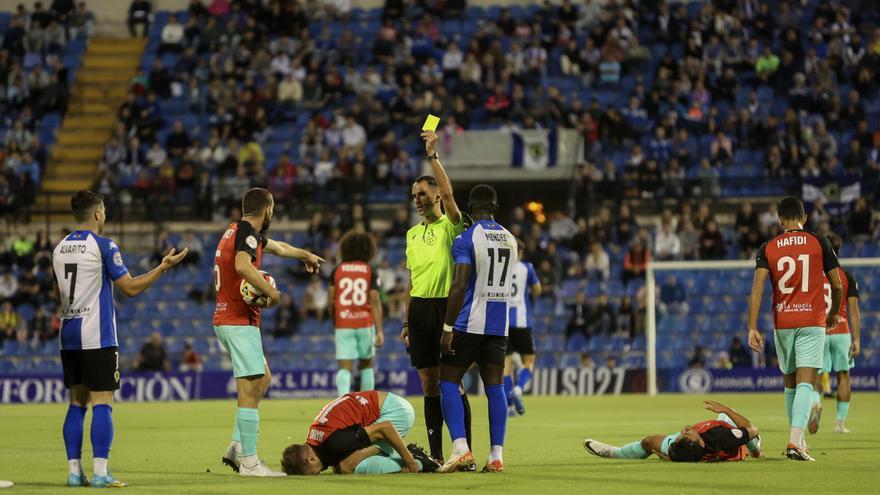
x=175 y=448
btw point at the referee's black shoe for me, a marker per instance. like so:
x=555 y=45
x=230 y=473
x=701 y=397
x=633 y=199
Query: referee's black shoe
x=429 y=464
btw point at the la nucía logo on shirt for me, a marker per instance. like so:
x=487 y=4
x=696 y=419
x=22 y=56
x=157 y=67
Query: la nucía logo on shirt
x=785 y=307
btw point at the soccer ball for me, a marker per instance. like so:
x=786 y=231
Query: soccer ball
x=251 y=294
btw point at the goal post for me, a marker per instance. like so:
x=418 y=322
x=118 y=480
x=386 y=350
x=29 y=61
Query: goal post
x=656 y=267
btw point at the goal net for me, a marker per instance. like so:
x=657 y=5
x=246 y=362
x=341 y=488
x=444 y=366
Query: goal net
x=709 y=307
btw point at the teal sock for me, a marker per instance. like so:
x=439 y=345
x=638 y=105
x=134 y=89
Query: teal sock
x=236 y=433
x=789 y=403
x=632 y=450
x=842 y=410
x=379 y=464
x=800 y=410
x=248 y=420
x=343 y=382
x=368 y=379
x=816 y=396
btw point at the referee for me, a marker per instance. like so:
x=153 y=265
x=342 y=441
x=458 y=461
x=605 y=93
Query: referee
x=429 y=260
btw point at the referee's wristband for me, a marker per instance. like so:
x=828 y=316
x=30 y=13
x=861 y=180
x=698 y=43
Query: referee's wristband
x=448 y=328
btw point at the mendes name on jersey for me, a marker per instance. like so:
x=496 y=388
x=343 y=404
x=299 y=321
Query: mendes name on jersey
x=231 y=308
x=524 y=277
x=492 y=253
x=86 y=265
x=850 y=289
x=798 y=261
x=353 y=281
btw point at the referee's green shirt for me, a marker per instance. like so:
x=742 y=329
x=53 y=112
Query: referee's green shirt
x=429 y=257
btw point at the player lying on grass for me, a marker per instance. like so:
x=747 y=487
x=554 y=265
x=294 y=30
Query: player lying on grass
x=726 y=438
x=360 y=433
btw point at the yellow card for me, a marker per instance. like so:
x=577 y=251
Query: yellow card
x=431 y=123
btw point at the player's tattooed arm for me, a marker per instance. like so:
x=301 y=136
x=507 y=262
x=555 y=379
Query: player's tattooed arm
x=756 y=340
x=385 y=431
x=285 y=250
x=350 y=463
x=443 y=182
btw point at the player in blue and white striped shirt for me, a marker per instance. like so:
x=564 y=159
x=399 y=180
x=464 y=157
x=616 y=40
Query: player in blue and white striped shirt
x=476 y=326
x=85 y=265
x=526 y=285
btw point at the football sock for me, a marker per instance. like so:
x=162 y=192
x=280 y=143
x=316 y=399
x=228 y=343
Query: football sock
x=800 y=412
x=368 y=379
x=102 y=436
x=497 y=414
x=495 y=453
x=434 y=425
x=632 y=450
x=379 y=464
x=467 y=418
x=343 y=381
x=508 y=385
x=75 y=466
x=816 y=396
x=452 y=410
x=249 y=425
x=523 y=379
x=789 y=402
x=73 y=436
x=236 y=435
x=842 y=411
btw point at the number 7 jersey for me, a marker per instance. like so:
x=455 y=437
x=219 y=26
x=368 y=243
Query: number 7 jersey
x=492 y=253
x=798 y=261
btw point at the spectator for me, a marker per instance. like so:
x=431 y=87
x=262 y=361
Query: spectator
x=586 y=360
x=549 y=278
x=746 y=219
x=579 y=322
x=152 y=356
x=673 y=298
x=190 y=360
x=139 y=14
x=739 y=354
x=603 y=318
x=635 y=262
x=172 y=36
x=767 y=65
x=861 y=221
x=315 y=300
x=667 y=245
x=708 y=179
x=195 y=246
x=697 y=358
x=712 y=243
x=10 y=322
x=8 y=286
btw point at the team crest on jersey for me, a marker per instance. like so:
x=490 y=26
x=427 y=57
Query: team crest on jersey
x=251 y=241
x=737 y=433
x=430 y=238
x=117 y=258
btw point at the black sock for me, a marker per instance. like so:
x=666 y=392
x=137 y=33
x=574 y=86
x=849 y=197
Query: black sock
x=467 y=420
x=434 y=425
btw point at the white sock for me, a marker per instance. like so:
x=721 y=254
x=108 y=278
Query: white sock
x=840 y=423
x=75 y=466
x=100 y=466
x=460 y=446
x=236 y=447
x=517 y=390
x=249 y=461
x=796 y=436
x=495 y=453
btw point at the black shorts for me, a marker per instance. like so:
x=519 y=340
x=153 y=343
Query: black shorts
x=520 y=340
x=426 y=318
x=472 y=348
x=97 y=369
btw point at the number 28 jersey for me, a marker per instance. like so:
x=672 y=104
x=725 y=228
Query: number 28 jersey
x=492 y=253
x=352 y=282
x=798 y=261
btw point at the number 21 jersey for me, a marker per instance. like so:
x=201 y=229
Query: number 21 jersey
x=798 y=261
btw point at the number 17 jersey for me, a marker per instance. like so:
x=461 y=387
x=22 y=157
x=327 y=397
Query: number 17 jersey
x=798 y=261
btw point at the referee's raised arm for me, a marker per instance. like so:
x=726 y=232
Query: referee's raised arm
x=443 y=182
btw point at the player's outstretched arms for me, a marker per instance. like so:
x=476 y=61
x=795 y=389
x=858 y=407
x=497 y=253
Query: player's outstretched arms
x=740 y=420
x=285 y=250
x=385 y=431
x=132 y=286
x=756 y=340
x=350 y=463
x=443 y=182
x=249 y=272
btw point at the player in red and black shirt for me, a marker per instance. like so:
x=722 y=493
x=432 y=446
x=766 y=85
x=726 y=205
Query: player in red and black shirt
x=237 y=324
x=798 y=264
x=728 y=437
x=841 y=348
x=357 y=310
x=360 y=433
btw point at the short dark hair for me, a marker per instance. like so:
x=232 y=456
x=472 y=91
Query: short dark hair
x=357 y=246
x=483 y=197
x=428 y=179
x=791 y=208
x=836 y=242
x=84 y=203
x=685 y=450
x=293 y=459
x=255 y=201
